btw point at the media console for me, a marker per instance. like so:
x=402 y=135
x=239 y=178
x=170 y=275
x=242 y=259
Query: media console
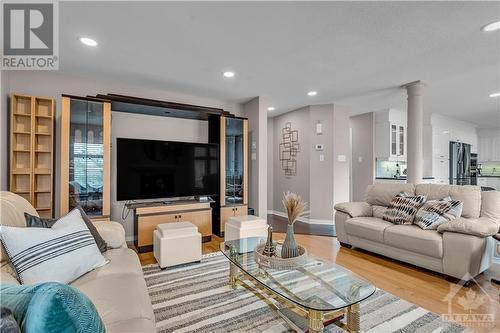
x=148 y=215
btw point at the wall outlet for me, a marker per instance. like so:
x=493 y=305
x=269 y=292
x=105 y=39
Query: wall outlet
x=342 y=158
x=319 y=147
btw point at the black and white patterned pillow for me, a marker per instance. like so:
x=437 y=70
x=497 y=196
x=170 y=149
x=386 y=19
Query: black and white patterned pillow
x=61 y=253
x=403 y=208
x=436 y=212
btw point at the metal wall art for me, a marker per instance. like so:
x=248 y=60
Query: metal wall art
x=288 y=149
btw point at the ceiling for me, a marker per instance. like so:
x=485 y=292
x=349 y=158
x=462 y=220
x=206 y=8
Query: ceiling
x=352 y=53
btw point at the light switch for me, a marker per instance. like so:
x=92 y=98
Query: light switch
x=321 y=157
x=254 y=145
x=341 y=158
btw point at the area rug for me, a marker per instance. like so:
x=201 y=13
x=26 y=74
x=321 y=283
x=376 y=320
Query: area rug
x=197 y=298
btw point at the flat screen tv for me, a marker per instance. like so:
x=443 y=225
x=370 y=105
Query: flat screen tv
x=150 y=169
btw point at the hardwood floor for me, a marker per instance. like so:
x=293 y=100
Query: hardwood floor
x=413 y=284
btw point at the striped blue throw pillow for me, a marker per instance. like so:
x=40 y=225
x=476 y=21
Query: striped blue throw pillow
x=61 y=253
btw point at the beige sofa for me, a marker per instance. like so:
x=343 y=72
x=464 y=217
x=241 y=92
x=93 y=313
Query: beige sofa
x=461 y=249
x=118 y=289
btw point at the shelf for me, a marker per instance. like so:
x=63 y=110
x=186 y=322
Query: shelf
x=21 y=132
x=22 y=115
x=43 y=208
x=21 y=150
x=21 y=171
x=40 y=133
x=42 y=151
x=43 y=191
x=42 y=171
x=21 y=191
x=43 y=116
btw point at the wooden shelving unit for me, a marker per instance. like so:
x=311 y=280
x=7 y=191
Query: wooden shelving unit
x=32 y=151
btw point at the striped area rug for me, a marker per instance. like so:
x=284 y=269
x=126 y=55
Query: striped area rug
x=197 y=298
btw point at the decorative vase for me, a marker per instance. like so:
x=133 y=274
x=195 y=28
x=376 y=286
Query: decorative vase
x=289 y=248
x=269 y=248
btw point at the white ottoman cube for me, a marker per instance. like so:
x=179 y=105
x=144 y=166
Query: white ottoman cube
x=176 y=243
x=244 y=227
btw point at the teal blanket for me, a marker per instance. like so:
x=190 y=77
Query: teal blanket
x=51 y=307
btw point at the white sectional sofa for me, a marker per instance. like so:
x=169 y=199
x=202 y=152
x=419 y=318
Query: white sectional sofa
x=118 y=289
x=461 y=248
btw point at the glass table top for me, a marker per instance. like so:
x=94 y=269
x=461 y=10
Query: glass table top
x=317 y=285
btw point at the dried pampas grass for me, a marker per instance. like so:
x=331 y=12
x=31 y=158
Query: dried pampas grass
x=294 y=206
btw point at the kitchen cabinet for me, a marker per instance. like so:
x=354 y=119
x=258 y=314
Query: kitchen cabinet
x=390 y=141
x=441 y=168
x=493 y=182
x=489 y=149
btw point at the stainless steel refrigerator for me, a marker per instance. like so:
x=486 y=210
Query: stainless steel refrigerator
x=460 y=163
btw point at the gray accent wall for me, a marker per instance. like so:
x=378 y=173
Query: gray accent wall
x=321 y=183
x=363 y=156
x=53 y=84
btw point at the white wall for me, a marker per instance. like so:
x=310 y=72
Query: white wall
x=299 y=120
x=53 y=84
x=341 y=148
x=363 y=156
x=320 y=183
x=271 y=155
x=256 y=112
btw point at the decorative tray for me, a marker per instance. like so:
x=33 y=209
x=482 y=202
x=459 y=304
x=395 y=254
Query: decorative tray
x=276 y=262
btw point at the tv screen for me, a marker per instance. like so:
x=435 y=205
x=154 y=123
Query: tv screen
x=150 y=169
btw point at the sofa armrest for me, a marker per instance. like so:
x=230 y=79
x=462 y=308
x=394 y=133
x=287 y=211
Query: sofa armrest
x=480 y=227
x=355 y=209
x=112 y=233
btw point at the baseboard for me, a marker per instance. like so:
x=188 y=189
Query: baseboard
x=302 y=219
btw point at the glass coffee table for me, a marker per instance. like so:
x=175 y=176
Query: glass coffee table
x=309 y=298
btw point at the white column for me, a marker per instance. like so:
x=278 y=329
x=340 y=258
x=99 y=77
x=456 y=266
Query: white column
x=414 y=131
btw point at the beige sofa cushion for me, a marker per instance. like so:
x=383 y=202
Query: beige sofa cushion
x=378 y=211
x=412 y=238
x=354 y=209
x=469 y=195
x=490 y=205
x=382 y=194
x=12 y=209
x=119 y=298
x=370 y=228
x=480 y=227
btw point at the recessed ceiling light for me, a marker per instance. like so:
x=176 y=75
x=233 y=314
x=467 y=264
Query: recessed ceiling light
x=312 y=93
x=491 y=26
x=228 y=74
x=87 y=41
x=271 y=108
x=497 y=94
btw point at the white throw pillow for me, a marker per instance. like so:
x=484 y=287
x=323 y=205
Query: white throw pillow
x=62 y=253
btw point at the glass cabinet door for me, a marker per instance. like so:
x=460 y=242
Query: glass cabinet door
x=234 y=161
x=86 y=156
